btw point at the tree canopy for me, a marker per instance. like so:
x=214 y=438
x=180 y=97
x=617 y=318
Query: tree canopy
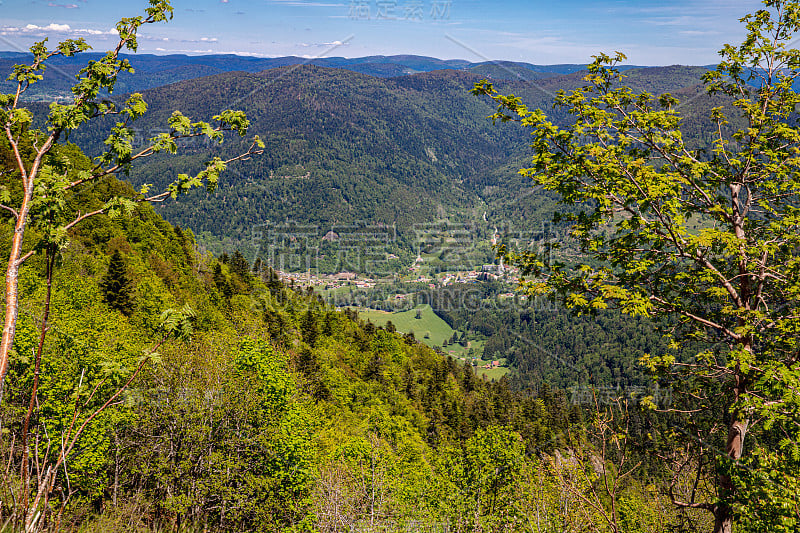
x=703 y=238
x=43 y=179
x=117 y=285
x=40 y=190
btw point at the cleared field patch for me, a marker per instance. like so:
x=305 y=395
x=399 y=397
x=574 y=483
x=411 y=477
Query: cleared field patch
x=492 y=373
x=429 y=328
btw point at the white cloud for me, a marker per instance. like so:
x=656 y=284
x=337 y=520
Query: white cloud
x=301 y=3
x=50 y=27
x=54 y=27
x=699 y=32
x=184 y=51
x=330 y=44
x=673 y=21
x=201 y=40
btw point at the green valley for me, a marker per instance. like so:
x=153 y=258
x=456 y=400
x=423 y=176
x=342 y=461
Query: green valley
x=397 y=293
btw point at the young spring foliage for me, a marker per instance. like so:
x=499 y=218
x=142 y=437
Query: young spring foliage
x=704 y=237
x=41 y=181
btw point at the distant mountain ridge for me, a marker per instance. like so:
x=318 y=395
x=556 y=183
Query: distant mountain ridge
x=158 y=70
x=344 y=147
x=372 y=140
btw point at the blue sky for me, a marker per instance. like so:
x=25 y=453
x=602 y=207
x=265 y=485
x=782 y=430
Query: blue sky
x=649 y=32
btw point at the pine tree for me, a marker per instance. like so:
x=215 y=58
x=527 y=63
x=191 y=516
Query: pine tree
x=221 y=281
x=240 y=266
x=117 y=286
x=308 y=326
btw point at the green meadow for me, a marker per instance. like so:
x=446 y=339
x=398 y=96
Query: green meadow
x=429 y=328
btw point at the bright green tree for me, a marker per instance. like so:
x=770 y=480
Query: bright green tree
x=41 y=181
x=703 y=238
x=36 y=192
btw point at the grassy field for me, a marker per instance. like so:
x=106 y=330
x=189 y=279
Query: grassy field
x=429 y=328
x=433 y=331
x=492 y=373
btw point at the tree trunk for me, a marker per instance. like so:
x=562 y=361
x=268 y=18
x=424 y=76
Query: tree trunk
x=116 y=466
x=24 y=471
x=15 y=257
x=723 y=515
x=12 y=271
x=10 y=324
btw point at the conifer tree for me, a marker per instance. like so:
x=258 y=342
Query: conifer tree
x=240 y=266
x=221 y=281
x=308 y=326
x=117 y=286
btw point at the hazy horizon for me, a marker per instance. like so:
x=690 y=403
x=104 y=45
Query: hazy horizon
x=687 y=32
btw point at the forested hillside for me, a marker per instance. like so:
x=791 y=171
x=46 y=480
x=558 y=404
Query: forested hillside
x=344 y=147
x=274 y=411
x=147 y=384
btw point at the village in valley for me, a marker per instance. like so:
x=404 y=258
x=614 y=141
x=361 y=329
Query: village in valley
x=398 y=299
